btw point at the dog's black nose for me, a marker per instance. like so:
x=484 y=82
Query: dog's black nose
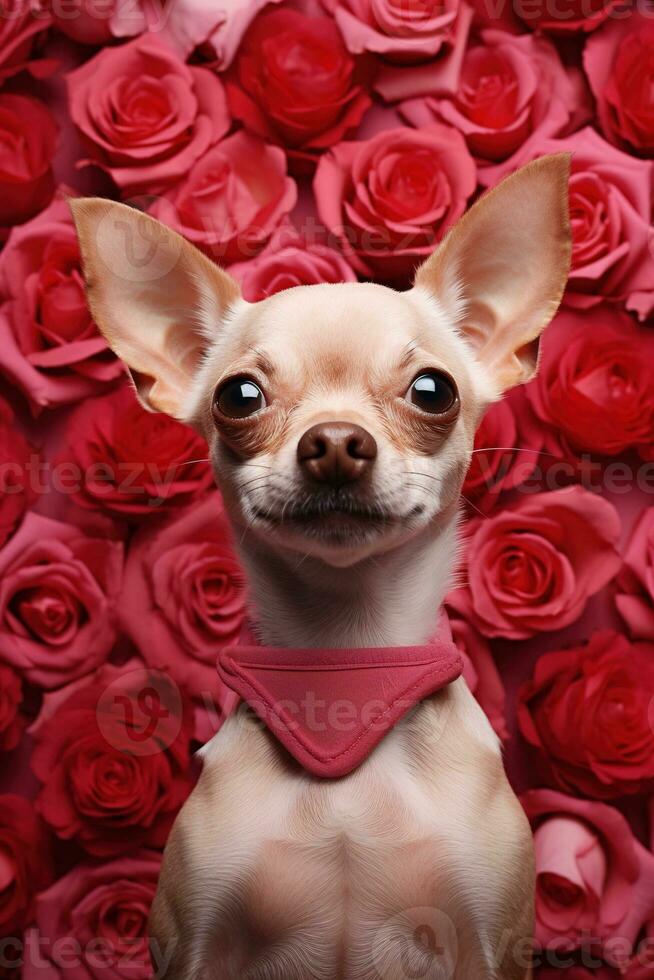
x=336 y=453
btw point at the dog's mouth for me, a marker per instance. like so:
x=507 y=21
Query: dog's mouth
x=334 y=515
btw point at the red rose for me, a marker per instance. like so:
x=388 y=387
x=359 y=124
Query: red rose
x=513 y=89
x=113 y=756
x=610 y=212
x=593 y=878
x=595 y=382
x=145 y=116
x=294 y=82
x=52 y=350
x=92 y=923
x=131 y=462
x=232 y=200
x=421 y=42
x=58 y=588
x=619 y=62
x=532 y=566
x=479 y=670
x=287 y=261
x=571 y=16
x=507 y=449
x=184 y=596
x=635 y=598
x=11 y=697
x=20 y=29
x=28 y=136
x=390 y=199
x=603 y=692
x=25 y=865
x=15 y=456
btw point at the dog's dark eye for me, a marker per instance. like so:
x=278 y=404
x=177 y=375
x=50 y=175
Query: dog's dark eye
x=433 y=392
x=238 y=398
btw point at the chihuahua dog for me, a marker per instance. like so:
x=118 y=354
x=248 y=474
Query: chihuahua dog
x=340 y=421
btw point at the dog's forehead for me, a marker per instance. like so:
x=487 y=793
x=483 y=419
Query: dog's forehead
x=348 y=324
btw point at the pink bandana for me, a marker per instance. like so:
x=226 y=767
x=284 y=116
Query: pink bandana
x=330 y=708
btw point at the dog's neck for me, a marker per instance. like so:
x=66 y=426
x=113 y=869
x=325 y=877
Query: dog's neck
x=391 y=599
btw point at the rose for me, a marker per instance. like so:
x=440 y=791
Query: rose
x=593 y=878
x=113 y=756
x=566 y=16
x=101 y=912
x=635 y=597
x=28 y=136
x=184 y=596
x=289 y=260
x=294 y=83
x=15 y=456
x=232 y=200
x=130 y=462
x=610 y=209
x=21 y=26
x=25 y=865
x=479 y=670
x=11 y=696
x=144 y=116
x=508 y=444
x=424 y=41
x=619 y=60
x=58 y=588
x=595 y=383
x=513 y=89
x=389 y=199
x=602 y=691
x=52 y=350
x=532 y=567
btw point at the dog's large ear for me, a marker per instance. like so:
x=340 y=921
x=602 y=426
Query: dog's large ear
x=153 y=295
x=501 y=271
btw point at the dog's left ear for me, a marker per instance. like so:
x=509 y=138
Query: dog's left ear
x=154 y=296
x=501 y=271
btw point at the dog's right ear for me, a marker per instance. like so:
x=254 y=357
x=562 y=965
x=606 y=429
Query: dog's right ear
x=154 y=296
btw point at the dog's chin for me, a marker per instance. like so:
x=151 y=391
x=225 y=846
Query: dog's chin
x=339 y=533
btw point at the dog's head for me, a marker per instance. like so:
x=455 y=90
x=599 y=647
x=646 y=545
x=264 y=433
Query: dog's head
x=340 y=418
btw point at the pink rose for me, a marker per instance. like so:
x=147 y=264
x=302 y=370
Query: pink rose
x=92 y=923
x=52 y=350
x=514 y=89
x=290 y=260
x=295 y=83
x=507 y=450
x=144 y=116
x=184 y=596
x=603 y=691
x=232 y=200
x=594 y=879
x=58 y=587
x=28 y=136
x=532 y=566
x=11 y=698
x=21 y=28
x=479 y=670
x=610 y=210
x=595 y=382
x=421 y=43
x=86 y=21
x=619 y=60
x=25 y=862
x=390 y=199
x=635 y=596
x=16 y=454
x=130 y=462
x=567 y=16
x=112 y=753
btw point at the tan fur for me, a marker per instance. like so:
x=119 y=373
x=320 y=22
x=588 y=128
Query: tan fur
x=418 y=864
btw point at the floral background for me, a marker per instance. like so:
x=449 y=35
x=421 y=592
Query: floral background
x=300 y=142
